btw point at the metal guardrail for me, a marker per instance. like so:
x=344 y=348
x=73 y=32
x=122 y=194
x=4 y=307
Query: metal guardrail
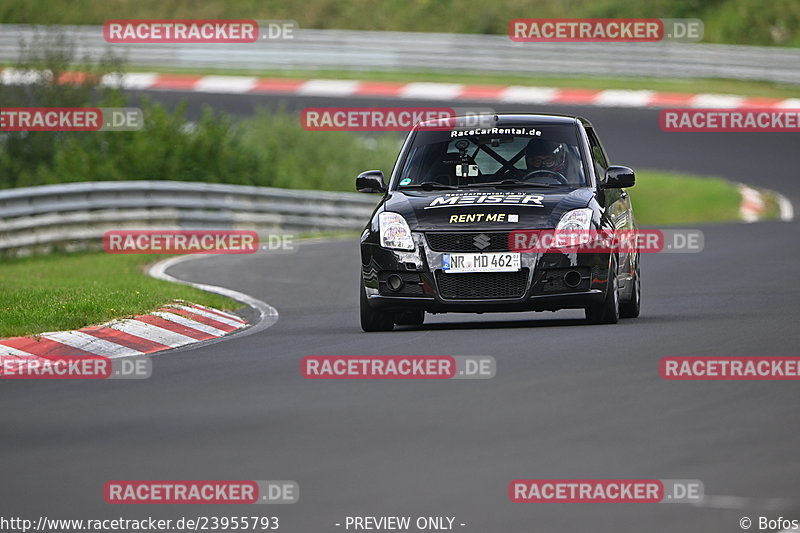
x=76 y=215
x=372 y=50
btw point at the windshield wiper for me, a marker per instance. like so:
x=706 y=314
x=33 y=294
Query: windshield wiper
x=428 y=186
x=508 y=183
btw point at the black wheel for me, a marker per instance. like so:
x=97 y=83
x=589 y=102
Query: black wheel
x=607 y=311
x=410 y=318
x=631 y=308
x=372 y=319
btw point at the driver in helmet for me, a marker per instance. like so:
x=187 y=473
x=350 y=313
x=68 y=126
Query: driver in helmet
x=541 y=154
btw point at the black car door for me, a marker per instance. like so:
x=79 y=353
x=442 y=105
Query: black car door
x=616 y=201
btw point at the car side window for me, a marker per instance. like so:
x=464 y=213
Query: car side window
x=598 y=157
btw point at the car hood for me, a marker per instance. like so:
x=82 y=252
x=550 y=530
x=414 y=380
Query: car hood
x=486 y=209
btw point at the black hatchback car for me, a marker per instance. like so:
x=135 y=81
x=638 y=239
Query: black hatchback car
x=441 y=239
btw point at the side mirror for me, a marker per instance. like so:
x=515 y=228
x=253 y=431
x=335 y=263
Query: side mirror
x=370 y=181
x=618 y=178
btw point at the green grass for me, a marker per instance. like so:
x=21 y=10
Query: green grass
x=666 y=198
x=64 y=292
x=776 y=22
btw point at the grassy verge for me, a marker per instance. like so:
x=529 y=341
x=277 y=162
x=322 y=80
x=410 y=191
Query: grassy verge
x=665 y=198
x=61 y=292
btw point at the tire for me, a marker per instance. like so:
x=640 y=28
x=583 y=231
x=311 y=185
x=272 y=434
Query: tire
x=372 y=319
x=607 y=311
x=410 y=318
x=632 y=307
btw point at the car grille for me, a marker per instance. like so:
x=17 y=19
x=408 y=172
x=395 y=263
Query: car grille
x=482 y=285
x=468 y=242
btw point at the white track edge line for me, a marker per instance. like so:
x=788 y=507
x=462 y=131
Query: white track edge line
x=267 y=315
x=787 y=210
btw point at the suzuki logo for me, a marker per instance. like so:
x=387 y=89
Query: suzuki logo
x=481 y=241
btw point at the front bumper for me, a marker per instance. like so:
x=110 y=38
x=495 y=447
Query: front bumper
x=538 y=286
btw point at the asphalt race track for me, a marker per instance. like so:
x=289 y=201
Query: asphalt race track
x=569 y=401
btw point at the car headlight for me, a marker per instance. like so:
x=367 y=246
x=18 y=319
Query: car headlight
x=395 y=232
x=573 y=228
x=576 y=219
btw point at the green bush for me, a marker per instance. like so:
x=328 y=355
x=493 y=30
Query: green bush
x=270 y=149
x=289 y=156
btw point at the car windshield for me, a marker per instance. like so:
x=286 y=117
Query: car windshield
x=509 y=156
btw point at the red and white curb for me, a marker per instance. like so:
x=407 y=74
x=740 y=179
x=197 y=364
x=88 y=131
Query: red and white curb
x=178 y=325
x=413 y=91
x=175 y=325
x=266 y=315
x=753 y=205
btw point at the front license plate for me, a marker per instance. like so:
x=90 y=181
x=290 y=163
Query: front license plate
x=489 y=262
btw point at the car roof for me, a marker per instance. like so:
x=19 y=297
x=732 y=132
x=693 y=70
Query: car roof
x=513 y=119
